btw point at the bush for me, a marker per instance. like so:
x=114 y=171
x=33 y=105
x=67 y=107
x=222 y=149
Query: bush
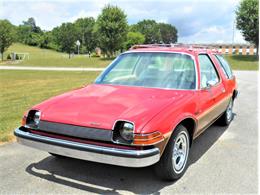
x=8 y=57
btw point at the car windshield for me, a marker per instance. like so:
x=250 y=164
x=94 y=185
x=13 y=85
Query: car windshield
x=151 y=69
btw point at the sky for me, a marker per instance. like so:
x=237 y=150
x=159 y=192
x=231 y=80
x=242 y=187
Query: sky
x=197 y=21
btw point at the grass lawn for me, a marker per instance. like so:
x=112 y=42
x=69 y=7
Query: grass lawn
x=242 y=62
x=47 y=57
x=22 y=89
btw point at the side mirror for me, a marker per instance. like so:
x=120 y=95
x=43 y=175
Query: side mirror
x=210 y=83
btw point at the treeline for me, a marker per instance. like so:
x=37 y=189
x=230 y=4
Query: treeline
x=110 y=32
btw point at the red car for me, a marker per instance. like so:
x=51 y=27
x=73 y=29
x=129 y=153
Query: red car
x=145 y=109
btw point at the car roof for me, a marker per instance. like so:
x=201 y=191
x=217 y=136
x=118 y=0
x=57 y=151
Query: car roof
x=189 y=49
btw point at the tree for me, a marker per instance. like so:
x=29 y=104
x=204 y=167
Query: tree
x=150 y=29
x=247 y=20
x=6 y=36
x=112 y=29
x=29 y=33
x=85 y=31
x=66 y=37
x=134 y=38
x=168 y=33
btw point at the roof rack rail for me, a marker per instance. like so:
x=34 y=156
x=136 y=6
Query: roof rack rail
x=175 y=45
x=150 y=46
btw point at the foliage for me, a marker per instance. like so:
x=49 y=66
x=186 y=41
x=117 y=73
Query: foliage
x=29 y=33
x=112 y=29
x=6 y=36
x=134 y=38
x=66 y=37
x=85 y=33
x=150 y=29
x=247 y=20
x=168 y=33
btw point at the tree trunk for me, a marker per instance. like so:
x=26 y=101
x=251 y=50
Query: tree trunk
x=2 y=56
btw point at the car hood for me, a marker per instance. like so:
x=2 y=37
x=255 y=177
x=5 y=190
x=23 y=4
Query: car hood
x=100 y=106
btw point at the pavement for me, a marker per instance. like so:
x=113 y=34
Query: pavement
x=49 y=68
x=222 y=160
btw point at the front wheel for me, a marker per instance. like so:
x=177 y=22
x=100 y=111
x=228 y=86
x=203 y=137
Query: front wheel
x=173 y=162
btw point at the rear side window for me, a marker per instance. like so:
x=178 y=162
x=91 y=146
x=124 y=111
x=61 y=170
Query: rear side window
x=225 y=66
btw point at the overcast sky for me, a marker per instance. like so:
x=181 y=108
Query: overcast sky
x=197 y=21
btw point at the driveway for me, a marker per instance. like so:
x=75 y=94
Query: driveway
x=222 y=160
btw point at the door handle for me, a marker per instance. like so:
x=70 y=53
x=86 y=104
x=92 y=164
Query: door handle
x=223 y=90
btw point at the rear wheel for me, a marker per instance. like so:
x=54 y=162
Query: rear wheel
x=227 y=116
x=173 y=162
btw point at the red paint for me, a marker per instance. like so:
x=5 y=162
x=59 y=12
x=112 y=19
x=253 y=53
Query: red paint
x=150 y=109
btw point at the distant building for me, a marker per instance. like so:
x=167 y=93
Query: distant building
x=235 y=49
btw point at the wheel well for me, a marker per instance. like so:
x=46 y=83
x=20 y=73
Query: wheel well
x=190 y=125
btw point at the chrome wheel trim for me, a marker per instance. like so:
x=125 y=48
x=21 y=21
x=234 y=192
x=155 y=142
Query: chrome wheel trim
x=229 y=111
x=180 y=152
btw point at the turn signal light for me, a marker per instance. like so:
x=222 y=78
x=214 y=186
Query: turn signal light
x=24 y=120
x=148 y=139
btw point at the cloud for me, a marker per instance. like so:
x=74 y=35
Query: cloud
x=196 y=20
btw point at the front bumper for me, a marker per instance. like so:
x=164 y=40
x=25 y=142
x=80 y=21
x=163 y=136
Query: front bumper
x=101 y=154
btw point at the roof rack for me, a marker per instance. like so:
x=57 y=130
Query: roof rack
x=150 y=46
x=178 y=45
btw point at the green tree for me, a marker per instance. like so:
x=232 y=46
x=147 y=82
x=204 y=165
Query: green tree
x=111 y=29
x=134 y=38
x=150 y=29
x=247 y=20
x=168 y=33
x=65 y=37
x=6 y=36
x=86 y=35
x=29 y=33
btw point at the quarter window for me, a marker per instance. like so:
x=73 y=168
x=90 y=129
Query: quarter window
x=208 y=72
x=225 y=66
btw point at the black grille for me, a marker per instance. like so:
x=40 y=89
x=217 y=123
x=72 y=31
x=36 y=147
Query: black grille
x=75 y=131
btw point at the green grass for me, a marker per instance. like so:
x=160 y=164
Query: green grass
x=47 y=57
x=242 y=62
x=22 y=89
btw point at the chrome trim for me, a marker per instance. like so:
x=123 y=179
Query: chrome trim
x=101 y=154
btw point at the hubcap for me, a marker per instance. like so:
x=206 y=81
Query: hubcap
x=180 y=152
x=229 y=111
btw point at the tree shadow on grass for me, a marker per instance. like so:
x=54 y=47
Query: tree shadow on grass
x=108 y=179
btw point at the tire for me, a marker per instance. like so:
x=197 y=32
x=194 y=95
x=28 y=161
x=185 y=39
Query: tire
x=227 y=116
x=172 y=167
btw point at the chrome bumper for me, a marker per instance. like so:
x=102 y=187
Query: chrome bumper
x=101 y=154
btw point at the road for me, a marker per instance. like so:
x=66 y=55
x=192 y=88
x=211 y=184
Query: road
x=222 y=160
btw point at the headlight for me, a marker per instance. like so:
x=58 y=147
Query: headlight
x=33 y=118
x=127 y=131
x=37 y=117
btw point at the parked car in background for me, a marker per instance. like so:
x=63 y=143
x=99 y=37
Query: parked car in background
x=145 y=109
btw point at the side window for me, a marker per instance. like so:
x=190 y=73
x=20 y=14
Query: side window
x=208 y=72
x=225 y=66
